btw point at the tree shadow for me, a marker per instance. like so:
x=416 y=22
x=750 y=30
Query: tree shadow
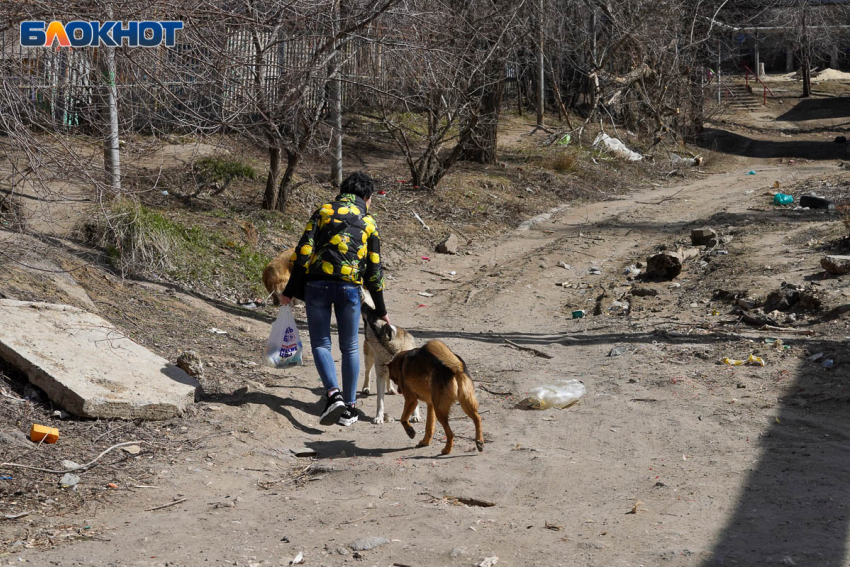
x=818 y=109
x=795 y=501
x=736 y=144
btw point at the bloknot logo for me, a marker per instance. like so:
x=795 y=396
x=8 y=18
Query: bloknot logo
x=80 y=33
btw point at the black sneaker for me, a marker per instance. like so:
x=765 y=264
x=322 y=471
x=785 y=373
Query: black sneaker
x=348 y=417
x=334 y=409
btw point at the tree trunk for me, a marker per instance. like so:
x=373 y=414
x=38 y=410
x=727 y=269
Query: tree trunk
x=480 y=147
x=335 y=96
x=540 y=72
x=292 y=160
x=111 y=153
x=271 y=193
x=807 y=76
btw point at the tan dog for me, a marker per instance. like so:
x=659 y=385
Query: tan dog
x=383 y=342
x=276 y=275
x=438 y=377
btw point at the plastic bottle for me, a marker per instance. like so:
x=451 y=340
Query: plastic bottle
x=562 y=394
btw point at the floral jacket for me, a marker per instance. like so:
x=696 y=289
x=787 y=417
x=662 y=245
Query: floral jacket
x=340 y=242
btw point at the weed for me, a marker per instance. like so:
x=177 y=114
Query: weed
x=564 y=163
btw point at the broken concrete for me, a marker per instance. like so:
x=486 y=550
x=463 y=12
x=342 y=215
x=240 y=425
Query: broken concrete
x=89 y=367
x=701 y=236
x=838 y=265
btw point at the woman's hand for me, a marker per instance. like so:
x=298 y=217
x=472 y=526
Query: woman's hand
x=285 y=300
x=386 y=319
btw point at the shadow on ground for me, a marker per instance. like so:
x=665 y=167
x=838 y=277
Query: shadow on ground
x=736 y=144
x=794 y=503
x=818 y=109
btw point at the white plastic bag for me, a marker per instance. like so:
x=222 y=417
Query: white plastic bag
x=284 y=347
x=562 y=394
x=616 y=146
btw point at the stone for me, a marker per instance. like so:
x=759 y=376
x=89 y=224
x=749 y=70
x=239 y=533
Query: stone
x=781 y=299
x=644 y=292
x=368 y=543
x=701 y=236
x=449 y=245
x=87 y=366
x=191 y=363
x=664 y=266
x=838 y=265
x=70 y=480
x=132 y=449
x=13 y=437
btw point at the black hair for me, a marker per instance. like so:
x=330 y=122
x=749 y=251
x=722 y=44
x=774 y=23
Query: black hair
x=359 y=184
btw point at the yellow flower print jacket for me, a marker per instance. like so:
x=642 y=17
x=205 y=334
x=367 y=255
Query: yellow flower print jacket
x=340 y=242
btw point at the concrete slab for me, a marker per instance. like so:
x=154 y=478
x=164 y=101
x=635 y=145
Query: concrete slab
x=89 y=367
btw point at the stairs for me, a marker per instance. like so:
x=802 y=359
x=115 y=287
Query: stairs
x=740 y=98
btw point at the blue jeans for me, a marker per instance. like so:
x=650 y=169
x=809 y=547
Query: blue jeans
x=320 y=297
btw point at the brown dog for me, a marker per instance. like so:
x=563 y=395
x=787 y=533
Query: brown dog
x=276 y=275
x=438 y=377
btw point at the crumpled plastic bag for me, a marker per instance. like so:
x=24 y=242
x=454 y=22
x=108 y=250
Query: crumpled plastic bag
x=752 y=360
x=616 y=146
x=284 y=346
x=561 y=394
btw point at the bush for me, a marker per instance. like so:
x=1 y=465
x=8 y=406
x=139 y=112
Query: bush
x=564 y=163
x=218 y=172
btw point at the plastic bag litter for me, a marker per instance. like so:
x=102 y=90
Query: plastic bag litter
x=284 y=347
x=752 y=360
x=565 y=140
x=783 y=199
x=617 y=147
x=561 y=394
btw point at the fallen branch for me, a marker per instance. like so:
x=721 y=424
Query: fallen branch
x=528 y=349
x=81 y=468
x=470 y=501
x=176 y=502
x=486 y=389
x=15 y=516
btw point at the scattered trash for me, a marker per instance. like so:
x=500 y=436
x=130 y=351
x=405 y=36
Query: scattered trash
x=382 y=193
x=565 y=266
x=565 y=140
x=636 y=508
x=488 y=562
x=284 y=346
x=579 y=314
x=7 y=478
x=165 y=193
x=39 y=432
x=70 y=465
x=753 y=360
x=720 y=253
x=675 y=285
x=594 y=271
x=422 y=222
x=453 y=273
x=776 y=184
x=616 y=351
x=632 y=271
x=815 y=202
x=70 y=480
x=616 y=146
x=425 y=258
x=783 y=199
x=679 y=161
x=828 y=363
x=426 y=294
x=217 y=331
x=60 y=414
x=298 y=559
x=619 y=307
x=562 y=394
x=751 y=172
x=816 y=357
x=421 y=305
x=112 y=485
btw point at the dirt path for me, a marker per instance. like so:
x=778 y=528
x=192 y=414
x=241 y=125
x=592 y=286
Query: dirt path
x=688 y=446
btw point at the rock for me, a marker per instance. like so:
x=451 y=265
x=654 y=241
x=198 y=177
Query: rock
x=488 y=562
x=665 y=266
x=70 y=480
x=132 y=449
x=644 y=292
x=70 y=465
x=368 y=543
x=701 y=236
x=191 y=363
x=616 y=351
x=457 y=552
x=85 y=365
x=449 y=245
x=747 y=303
x=838 y=265
x=13 y=437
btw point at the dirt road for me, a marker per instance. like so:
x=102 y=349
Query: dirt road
x=670 y=459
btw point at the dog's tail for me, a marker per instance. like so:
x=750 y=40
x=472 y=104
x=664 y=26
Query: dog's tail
x=467 y=399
